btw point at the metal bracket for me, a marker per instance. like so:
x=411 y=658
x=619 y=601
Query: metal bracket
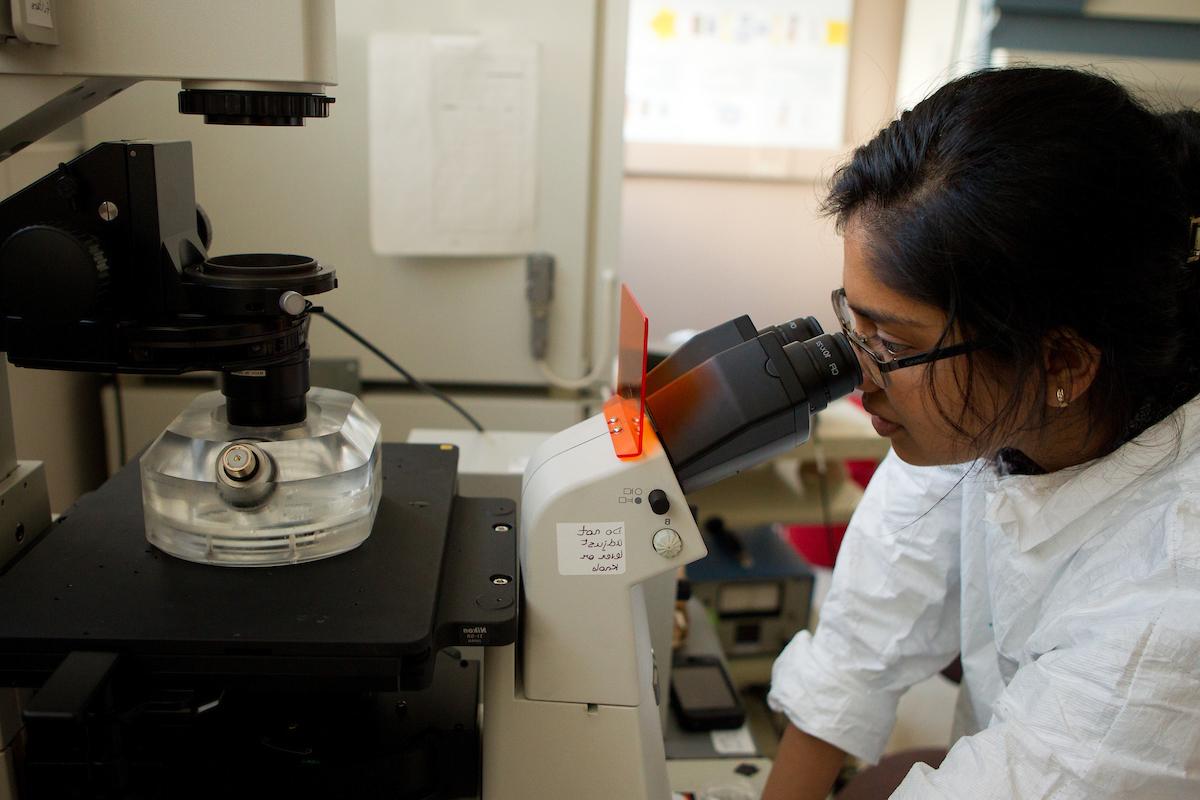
x=539 y=291
x=24 y=509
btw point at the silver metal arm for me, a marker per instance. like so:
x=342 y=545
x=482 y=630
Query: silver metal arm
x=105 y=46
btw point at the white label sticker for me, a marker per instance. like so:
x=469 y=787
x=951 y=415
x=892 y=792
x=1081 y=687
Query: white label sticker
x=737 y=742
x=591 y=548
x=39 y=12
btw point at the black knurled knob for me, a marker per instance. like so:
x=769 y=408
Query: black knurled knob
x=236 y=107
x=55 y=272
x=659 y=502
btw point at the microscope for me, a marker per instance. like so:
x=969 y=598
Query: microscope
x=104 y=267
x=336 y=660
x=604 y=513
x=135 y=649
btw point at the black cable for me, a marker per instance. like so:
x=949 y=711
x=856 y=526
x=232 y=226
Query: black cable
x=408 y=376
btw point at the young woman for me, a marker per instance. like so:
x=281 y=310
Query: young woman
x=1023 y=284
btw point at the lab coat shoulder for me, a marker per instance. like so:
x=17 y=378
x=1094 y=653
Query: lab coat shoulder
x=904 y=500
x=890 y=619
x=1137 y=559
x=895 y=590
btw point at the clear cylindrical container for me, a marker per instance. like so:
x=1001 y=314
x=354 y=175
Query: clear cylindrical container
x=262 y=496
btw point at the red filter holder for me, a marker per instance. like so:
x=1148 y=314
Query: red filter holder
x=625 y=411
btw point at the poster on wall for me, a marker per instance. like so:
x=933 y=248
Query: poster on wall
x=452 y=130
x=738 y=73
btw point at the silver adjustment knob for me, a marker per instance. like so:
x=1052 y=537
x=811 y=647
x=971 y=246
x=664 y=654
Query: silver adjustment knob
x=245 y=475
x=239 y=462
x=668 y=543
x=292 y=303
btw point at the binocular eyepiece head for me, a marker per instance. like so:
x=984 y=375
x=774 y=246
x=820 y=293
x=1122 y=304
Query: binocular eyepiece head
x=733 y=397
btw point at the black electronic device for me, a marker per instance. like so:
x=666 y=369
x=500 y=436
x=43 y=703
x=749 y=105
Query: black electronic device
x=703 y=696
x=733 y=397
x=757 y=589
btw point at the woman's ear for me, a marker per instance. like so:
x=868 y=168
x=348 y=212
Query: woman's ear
x=1071 y=366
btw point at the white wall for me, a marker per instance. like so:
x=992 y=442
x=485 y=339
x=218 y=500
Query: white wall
x=698 y=252
x=942 y=40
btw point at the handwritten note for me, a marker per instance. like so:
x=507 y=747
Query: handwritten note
x=452 y=124
x=39 y=12
x=591 y=548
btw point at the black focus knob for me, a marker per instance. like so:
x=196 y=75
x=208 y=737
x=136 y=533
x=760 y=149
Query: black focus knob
x=52 y=272
x=659 y=503
x=235 y=107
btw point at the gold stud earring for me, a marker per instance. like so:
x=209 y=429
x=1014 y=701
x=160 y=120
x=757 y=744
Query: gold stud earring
x=1061 y=396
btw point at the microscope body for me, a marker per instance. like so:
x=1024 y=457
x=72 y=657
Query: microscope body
x=267 y=65
x=572 y=709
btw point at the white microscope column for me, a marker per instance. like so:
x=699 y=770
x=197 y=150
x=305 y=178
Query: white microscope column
x=576 y=715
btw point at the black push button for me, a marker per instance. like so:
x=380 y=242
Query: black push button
x=659 y=503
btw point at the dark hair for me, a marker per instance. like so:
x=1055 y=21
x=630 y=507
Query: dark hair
x=1028 y=201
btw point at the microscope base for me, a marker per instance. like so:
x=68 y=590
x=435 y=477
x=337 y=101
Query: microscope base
x=125 y=640
x=535 y=748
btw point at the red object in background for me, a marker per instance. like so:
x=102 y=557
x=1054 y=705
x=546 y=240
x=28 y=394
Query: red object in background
x=626 y=409
x=819 y=545
x=861 y=471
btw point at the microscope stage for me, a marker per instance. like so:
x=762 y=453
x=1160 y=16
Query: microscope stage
x=423 y=581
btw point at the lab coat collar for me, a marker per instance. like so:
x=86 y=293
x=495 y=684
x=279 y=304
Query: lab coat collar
x=1035 y=508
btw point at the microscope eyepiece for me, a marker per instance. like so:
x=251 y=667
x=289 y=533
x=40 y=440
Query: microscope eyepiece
x=732 y=398
x=826 y=366
x=800 y=329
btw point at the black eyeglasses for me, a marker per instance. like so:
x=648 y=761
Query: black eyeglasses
x=880 y=361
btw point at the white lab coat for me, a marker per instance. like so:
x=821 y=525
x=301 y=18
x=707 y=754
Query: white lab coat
x=1073 y=597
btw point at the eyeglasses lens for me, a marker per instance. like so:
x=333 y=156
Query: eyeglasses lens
x=867 y=356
